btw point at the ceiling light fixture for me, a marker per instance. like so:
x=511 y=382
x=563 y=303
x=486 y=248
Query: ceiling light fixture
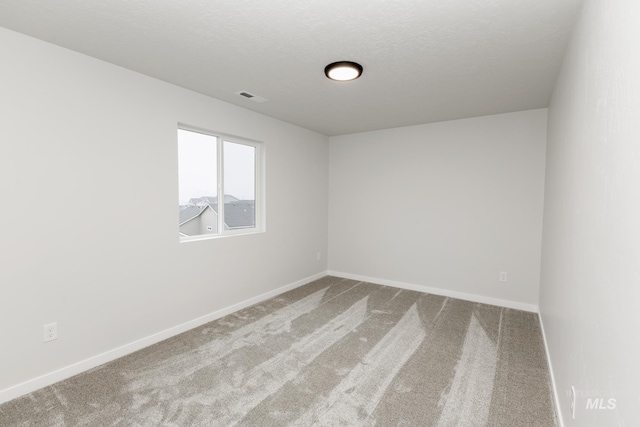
x=343 y=71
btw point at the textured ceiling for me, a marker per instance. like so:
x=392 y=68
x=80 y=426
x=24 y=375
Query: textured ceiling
x=424 y=60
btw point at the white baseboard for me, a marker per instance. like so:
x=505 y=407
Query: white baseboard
x=438 y=291
x=556 y=394
x=84 y=365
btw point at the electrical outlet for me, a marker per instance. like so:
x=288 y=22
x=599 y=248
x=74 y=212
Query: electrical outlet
x=319 y=256
x=50 y=332
x=502 y=276
x=573 y=403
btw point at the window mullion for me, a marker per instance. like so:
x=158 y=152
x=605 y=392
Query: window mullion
x=257 y=198
x=220 y=166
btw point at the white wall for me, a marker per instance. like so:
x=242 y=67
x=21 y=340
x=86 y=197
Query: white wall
x=93 y=147
x=445 y=205
x=590 y=280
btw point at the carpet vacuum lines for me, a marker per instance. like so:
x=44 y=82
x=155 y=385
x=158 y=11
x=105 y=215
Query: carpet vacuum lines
x=386 y=307
x=471 y=390
x=268 y=377
x=335 y=352
x=359 y=393
x=174 y=370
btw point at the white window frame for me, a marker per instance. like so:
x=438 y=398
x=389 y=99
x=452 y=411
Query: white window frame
x=259 y=184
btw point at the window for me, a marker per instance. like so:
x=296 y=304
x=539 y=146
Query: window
x=220 y=181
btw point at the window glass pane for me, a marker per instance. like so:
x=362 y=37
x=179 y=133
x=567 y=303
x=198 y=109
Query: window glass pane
x=197 y=183
x=239 y=185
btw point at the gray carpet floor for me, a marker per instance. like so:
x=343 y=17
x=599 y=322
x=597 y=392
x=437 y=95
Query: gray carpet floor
x=335 y=352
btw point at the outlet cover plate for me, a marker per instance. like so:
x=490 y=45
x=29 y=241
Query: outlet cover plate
x=50 y=332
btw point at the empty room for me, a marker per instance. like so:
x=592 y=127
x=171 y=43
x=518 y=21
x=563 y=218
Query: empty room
x=320 y=213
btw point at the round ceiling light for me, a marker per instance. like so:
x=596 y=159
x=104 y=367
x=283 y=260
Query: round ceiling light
x=343 y=71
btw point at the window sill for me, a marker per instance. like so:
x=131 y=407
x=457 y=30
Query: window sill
x=202 y=237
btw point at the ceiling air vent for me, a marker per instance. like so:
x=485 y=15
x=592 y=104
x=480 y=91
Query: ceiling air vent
x=251 y=96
